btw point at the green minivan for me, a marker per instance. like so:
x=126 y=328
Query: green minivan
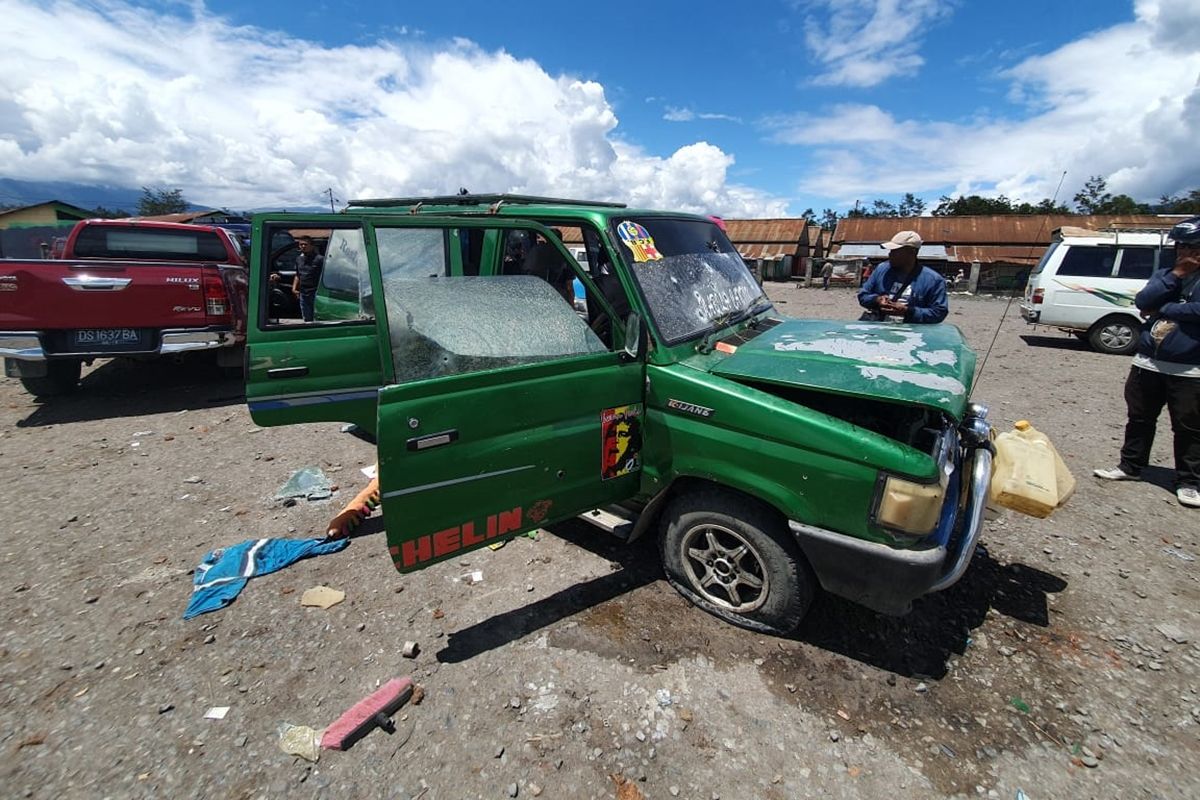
x=650 y=387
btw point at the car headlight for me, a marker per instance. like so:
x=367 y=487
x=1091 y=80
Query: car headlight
x=909 y=507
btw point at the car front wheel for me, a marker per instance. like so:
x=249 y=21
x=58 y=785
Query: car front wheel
x=733 y=557
x=1116 y=335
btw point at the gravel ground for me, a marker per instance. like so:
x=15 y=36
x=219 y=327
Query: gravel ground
x=1064 y=664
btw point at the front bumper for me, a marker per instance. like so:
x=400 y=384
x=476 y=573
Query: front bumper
x=887 y=579
x=27 y=345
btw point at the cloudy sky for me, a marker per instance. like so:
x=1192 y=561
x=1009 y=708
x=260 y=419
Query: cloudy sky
x=781 y=106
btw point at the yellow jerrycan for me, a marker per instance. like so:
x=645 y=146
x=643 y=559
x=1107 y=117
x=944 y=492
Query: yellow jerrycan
x=1063 y=479
x=1023 y=476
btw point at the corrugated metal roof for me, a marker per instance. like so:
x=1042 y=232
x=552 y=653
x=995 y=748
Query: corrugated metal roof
x=997 y=229
x=1023 y=254
x=765 y=231
x=766 y=250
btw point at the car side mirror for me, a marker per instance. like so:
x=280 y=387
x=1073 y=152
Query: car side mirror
x=636 y=339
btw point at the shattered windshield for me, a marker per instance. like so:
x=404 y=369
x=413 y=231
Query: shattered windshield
x=692 y=278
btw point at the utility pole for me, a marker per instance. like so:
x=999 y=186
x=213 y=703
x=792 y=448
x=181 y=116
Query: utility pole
x=329 y=192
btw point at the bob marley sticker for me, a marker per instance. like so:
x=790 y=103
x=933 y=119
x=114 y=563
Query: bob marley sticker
x=639 y=242
x=621 y=445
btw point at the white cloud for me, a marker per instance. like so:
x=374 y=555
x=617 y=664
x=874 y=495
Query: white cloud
x=866 y=42
x=246 y=117
x=1117 y=103
x=673 y=114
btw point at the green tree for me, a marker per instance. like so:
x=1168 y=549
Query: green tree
x=972 y=204
x=1045 y=206
x=109 y=213
x=882 y=208
x=1124 y=204
x=1187 y=204
x=156 y=201
x=1094 y=196
x=911 y=205
x=829 y=218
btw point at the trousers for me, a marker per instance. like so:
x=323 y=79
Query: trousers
x=1146 y=392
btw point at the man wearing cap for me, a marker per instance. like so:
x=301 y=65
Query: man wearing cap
x=1166 y=369
x=900 y=289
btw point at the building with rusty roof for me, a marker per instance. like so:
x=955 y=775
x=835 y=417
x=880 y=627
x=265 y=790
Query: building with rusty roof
x=1006 y=246
x=1016 y=239
x=786 y=241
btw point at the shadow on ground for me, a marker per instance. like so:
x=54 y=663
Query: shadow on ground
x=1057 y=342
x=635 y=566
x=918 y=645
x=128 y=389
x=645 y=621
x=1162 y=477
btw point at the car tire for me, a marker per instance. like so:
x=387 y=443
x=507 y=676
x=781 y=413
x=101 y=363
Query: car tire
x=62 y=377
x=1116 y=334
x=732 y=556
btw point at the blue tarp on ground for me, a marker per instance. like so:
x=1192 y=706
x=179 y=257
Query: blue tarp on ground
x=223 y=572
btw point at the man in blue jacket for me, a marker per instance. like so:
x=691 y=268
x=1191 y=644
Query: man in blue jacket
x=1166 y=369
x=900 y=289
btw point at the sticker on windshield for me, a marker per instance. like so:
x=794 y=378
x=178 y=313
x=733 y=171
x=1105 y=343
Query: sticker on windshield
x=639 y=242
x=621 y=440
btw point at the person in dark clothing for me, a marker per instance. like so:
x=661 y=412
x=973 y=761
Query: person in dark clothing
x=308 y=276
x=902 y=290
x=1166 y=369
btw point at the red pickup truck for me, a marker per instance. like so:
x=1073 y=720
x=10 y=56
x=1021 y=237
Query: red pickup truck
x=122 y=288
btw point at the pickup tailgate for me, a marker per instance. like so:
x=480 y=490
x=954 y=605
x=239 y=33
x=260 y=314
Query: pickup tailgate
x=82 y=299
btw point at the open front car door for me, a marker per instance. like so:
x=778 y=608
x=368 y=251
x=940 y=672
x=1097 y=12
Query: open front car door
x=508 y=411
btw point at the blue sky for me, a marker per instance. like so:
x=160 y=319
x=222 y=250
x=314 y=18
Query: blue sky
x=758 y=109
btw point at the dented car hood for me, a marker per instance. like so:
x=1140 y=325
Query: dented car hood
x=929 y=365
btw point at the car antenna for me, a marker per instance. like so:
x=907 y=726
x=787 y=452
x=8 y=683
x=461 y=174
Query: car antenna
x=1011 y=297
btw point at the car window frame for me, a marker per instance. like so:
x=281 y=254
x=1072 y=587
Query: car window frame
x=453 y=225
x=263 y=267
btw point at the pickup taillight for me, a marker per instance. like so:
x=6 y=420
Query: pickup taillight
x=216 y=299
x=1038 y=296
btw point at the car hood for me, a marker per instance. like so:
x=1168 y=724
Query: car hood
x=929 y=365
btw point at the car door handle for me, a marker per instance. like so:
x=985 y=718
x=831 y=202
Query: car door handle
x=432 y=440
x=95 y=283
x=287 y=372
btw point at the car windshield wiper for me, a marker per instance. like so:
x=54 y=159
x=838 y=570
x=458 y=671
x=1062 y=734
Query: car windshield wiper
x=722 y=321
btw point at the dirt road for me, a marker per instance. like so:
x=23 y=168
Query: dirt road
x=1064 y=664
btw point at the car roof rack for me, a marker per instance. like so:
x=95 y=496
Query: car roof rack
x=1146 y=226
x=493 y=200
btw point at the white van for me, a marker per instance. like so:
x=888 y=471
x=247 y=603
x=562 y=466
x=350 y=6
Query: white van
x=1086 y=282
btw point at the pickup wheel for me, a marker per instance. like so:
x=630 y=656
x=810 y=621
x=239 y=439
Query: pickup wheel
x=62 y=377
x=733 y=557
x=1116 y=334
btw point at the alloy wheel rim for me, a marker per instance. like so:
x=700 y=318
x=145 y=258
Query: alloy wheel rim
x=1116 y=335
x=724 y=568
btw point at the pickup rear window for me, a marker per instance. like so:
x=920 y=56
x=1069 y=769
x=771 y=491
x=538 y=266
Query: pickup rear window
x=102 y=241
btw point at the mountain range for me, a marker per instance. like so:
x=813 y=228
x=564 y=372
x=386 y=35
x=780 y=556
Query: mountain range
x=17 y=193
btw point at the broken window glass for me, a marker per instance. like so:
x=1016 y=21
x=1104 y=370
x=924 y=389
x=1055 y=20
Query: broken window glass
x=452 y=325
